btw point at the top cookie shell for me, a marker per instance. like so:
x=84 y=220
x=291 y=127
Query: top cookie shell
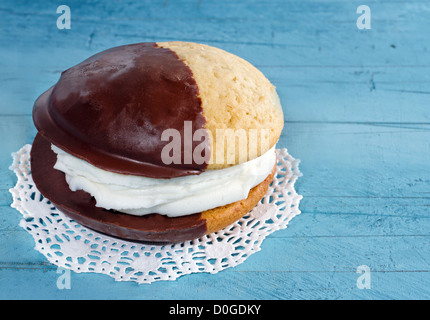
x=235 y=95
x=112 y=108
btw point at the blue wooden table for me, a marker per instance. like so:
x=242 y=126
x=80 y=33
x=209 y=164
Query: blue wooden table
x=357 y=115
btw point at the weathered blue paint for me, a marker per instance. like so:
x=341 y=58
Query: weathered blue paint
x=357 y=110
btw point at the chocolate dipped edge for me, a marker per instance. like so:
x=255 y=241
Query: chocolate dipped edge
x=99 y=154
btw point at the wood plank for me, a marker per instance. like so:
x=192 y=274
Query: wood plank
x=336 y=283
x=296 y=58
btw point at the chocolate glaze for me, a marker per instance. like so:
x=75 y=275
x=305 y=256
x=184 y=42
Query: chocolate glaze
x=80 y=206
x=112 y=108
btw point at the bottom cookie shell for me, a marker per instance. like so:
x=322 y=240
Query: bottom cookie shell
x=80 y=206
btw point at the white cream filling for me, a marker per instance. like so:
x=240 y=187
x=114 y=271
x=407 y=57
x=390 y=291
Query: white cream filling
x=172 y=197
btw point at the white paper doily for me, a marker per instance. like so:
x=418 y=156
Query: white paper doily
x=70 y=245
